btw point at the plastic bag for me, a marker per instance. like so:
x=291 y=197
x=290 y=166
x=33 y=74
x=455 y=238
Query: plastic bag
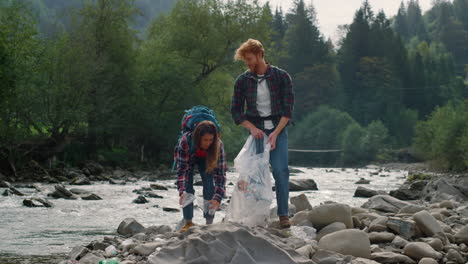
x=252 y=195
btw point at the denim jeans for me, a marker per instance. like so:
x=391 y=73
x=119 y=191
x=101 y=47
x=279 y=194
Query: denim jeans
x=279 y=165
x=208 y=188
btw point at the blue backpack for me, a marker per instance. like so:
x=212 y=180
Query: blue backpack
x=191 y=119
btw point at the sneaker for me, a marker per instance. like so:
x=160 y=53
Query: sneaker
x=186 y=227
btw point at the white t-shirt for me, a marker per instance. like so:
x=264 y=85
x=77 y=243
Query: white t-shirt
x=264 y=101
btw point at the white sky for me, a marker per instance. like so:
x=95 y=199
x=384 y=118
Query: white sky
x=332 y=13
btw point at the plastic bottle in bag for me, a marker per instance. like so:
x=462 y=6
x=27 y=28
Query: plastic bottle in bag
x=187 y=199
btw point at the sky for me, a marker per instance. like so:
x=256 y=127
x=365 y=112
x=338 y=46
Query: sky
x=332 y=13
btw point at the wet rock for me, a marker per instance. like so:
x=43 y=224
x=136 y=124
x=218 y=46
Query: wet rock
x=83 y=180
x=140 y=200
x=362 y=181
x=169 y=209
x=364 y=192
x=405 y=194
x=302 y=185
x=91 y=196
x=323 y=215
x=385 y=203
x=37 y=202
x=158 y=187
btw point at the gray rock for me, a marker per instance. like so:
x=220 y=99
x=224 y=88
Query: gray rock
x=83 y=180
x=462 y=235
x=390 y=257
x=429 y=225
x=323 y=215
x=379 y=224
x=381 y=237
x=455 y=256
x=299 y=217
x=385 y=203
x=399 y=242
x=364 y=192
x=307 y=251
x=363 y=261
x=362 y=181
x=327 y=257
x=94 y=168
x=411 y=209
x=347 y=242
x=78 y=252
x=302 y=185
x=301 y=202
x=13 y=190
x=140 y=200
x=152 y=195
x=331 y=228
x=440 y=189
x=129 y=227
x=4 y=184
x=91 y=196
x=162 y=229
x=78 y=191
x=170 y=209
x=419 y=250
x=404 y=228
x=62 y=192
x=427 y=261
x=405 y=194
x=158 y=187
x=37 y=202
x=91 y=258
x=146 y=249
x=435 y=243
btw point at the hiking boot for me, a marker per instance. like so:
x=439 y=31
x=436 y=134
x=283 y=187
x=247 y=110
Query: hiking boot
x=186 y=227
x=284 y=222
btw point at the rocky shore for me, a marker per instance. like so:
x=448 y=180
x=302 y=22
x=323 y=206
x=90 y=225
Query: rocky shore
x=424 y=221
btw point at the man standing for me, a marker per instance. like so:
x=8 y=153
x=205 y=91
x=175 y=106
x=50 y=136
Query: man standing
x=268 y=93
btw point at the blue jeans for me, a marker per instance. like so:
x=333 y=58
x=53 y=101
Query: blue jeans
x=208 y=188
x=279 y=164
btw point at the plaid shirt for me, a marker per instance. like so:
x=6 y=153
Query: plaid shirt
x=185 y=163
x=245 y=91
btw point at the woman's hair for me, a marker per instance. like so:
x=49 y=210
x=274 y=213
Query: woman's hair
x=250 y=46
x=212 y=153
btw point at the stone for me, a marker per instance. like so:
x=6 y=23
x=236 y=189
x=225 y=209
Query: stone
x=455 y=256
x=462 y=235
x=78 y=252
x=405 y=194
x=399 y=242
x=364 y=192
x=429 y=225
x=403 y=228
x=385 y=203
x=140 y=200
x=411 y=209
x=301 y=202
x=158 y=187
x=162 y=229
x=323 y=215
x=307 y=251
x=169 y=209
x=327 y=257
x=427 y=261
x=381 y=237
x=299 y=217
x=419 y=250
x=347 y=242
x=83 y=180
x=91 y=196
x=379 y=224
x=362 y=181
x=331 y=228
x=302 y=185
x=37 y=202
x=391 y=257
x=129 y=227
x=146 y=249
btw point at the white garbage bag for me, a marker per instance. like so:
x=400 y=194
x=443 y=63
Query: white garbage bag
x=252 y=195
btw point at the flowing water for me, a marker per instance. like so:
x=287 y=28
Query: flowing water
x=45 y=235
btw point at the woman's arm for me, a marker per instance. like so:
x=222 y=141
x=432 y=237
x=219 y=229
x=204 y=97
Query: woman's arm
x=182 y=157
x=220 y=174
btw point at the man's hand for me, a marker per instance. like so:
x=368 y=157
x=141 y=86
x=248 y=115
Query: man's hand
x=182 y=197
x=257 y=133
x=272 y=140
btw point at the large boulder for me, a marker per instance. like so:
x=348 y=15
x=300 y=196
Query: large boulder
x=37 y=202
x=402 y=227
x=331 y=228
x=429 y=226
x=405 y=194
x=323 y=215
x=347 y=242
x=301 y=202
x=385 y=203
x=129 y=227
x=441 y=189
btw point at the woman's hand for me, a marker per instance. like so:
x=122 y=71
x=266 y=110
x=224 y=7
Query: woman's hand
x=214 y=204
x=242 y=185
x=257 y=133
